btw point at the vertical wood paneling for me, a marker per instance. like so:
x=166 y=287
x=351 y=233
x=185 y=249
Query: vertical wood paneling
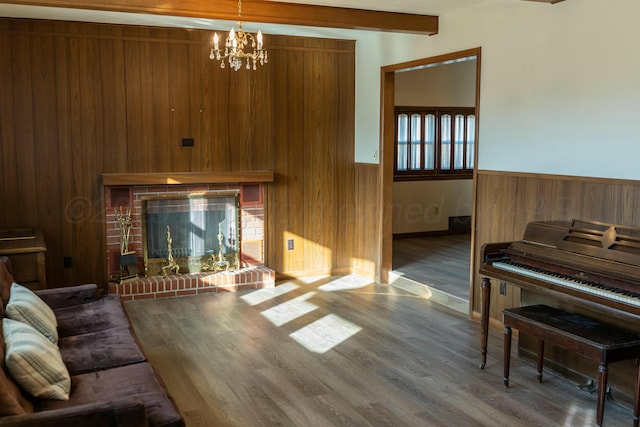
x=85 y=99
x=8 y=146
x=47 y=175
x=168 y=85
x=345 y=207
x=367 y=225
x=24 y=126
x=217 y=110
x=198 y=53
x=289 y=132
x=64 y=158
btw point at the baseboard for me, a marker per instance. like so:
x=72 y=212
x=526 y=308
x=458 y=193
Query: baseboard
x=436 y=233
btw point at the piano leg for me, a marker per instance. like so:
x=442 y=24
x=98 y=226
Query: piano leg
x=507 y=354
x=603 y=373
x=484 y=319
x=636 y=400
x=540 y=358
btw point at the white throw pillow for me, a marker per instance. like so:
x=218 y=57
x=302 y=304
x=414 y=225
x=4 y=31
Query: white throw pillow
x=27 y=307
x=34 y=362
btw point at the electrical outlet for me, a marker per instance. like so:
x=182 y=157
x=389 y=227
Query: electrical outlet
x=187 y=142
x=290 y=244
x=503 y=288
x=67 y=262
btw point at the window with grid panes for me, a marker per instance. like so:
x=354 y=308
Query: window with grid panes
x=434 y=142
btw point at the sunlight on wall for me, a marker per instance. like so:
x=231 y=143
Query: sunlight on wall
x=367 y=266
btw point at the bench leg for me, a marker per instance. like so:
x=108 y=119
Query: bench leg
x=603 y=373
x=507 y=354
x=540 y=358
x=636 y=400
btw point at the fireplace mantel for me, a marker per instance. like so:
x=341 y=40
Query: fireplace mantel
x=164 y=178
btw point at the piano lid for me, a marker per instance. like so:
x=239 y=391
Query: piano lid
x=597 y=239
x=608 y=241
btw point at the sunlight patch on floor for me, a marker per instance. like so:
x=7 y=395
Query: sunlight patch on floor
x=262 y=295
x=325 y=333
x=569 y=420
x=352 y=281
x=290 y=310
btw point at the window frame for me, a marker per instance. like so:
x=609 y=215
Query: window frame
x=437 y=172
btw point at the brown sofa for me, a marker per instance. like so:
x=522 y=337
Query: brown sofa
x=111 y=382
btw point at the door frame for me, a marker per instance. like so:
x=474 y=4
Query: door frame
x=385 y=176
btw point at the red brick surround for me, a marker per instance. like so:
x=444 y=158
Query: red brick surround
x=252 y=274
x=194 y=284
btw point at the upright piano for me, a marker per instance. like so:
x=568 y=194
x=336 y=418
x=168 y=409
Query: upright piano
x=591 y=264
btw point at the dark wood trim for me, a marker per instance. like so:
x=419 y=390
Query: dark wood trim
x=387 y=123
x=433 y=177
x=387 y=126
x=269 y=12
x=417 y=63
x=169 y=178
x=590 y=179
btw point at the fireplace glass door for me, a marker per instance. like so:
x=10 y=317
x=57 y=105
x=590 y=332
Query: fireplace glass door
x=199 y=233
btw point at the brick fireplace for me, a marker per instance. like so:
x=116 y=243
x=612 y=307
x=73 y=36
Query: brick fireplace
x=128 y=193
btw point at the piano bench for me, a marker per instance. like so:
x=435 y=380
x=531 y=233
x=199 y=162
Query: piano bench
x=592 y=339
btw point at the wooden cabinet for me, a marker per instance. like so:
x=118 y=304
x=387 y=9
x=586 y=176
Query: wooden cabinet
x=26 y=249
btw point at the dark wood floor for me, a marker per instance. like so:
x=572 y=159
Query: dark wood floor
x=311 y=354
x=442 y=262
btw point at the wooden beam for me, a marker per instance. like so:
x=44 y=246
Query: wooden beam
x=269 y=12
x=547 y=1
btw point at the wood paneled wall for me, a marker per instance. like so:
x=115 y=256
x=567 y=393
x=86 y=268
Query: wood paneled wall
x=507 y=202
x=366 y=225
x=79 y=100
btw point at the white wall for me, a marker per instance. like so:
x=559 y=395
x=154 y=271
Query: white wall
x=443 y=85
x=427 y=205
x=560 y=86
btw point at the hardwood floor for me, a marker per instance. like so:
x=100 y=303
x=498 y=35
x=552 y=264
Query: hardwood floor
x=343 y=352
x=442 y=262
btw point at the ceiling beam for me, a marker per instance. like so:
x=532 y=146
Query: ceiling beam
x=547 y=1
x=269 y=12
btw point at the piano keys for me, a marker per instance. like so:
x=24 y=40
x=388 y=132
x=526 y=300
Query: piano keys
x=593 y=264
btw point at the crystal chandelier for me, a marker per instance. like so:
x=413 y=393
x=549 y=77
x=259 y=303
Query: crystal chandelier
x=234 y=47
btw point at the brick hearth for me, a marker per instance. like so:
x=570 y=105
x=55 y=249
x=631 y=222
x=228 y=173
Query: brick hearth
x=127 y=191
x=253 y=277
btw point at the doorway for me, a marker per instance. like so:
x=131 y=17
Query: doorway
x=452 y=244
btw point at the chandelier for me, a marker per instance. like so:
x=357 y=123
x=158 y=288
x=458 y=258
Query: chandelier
x=235 y=45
